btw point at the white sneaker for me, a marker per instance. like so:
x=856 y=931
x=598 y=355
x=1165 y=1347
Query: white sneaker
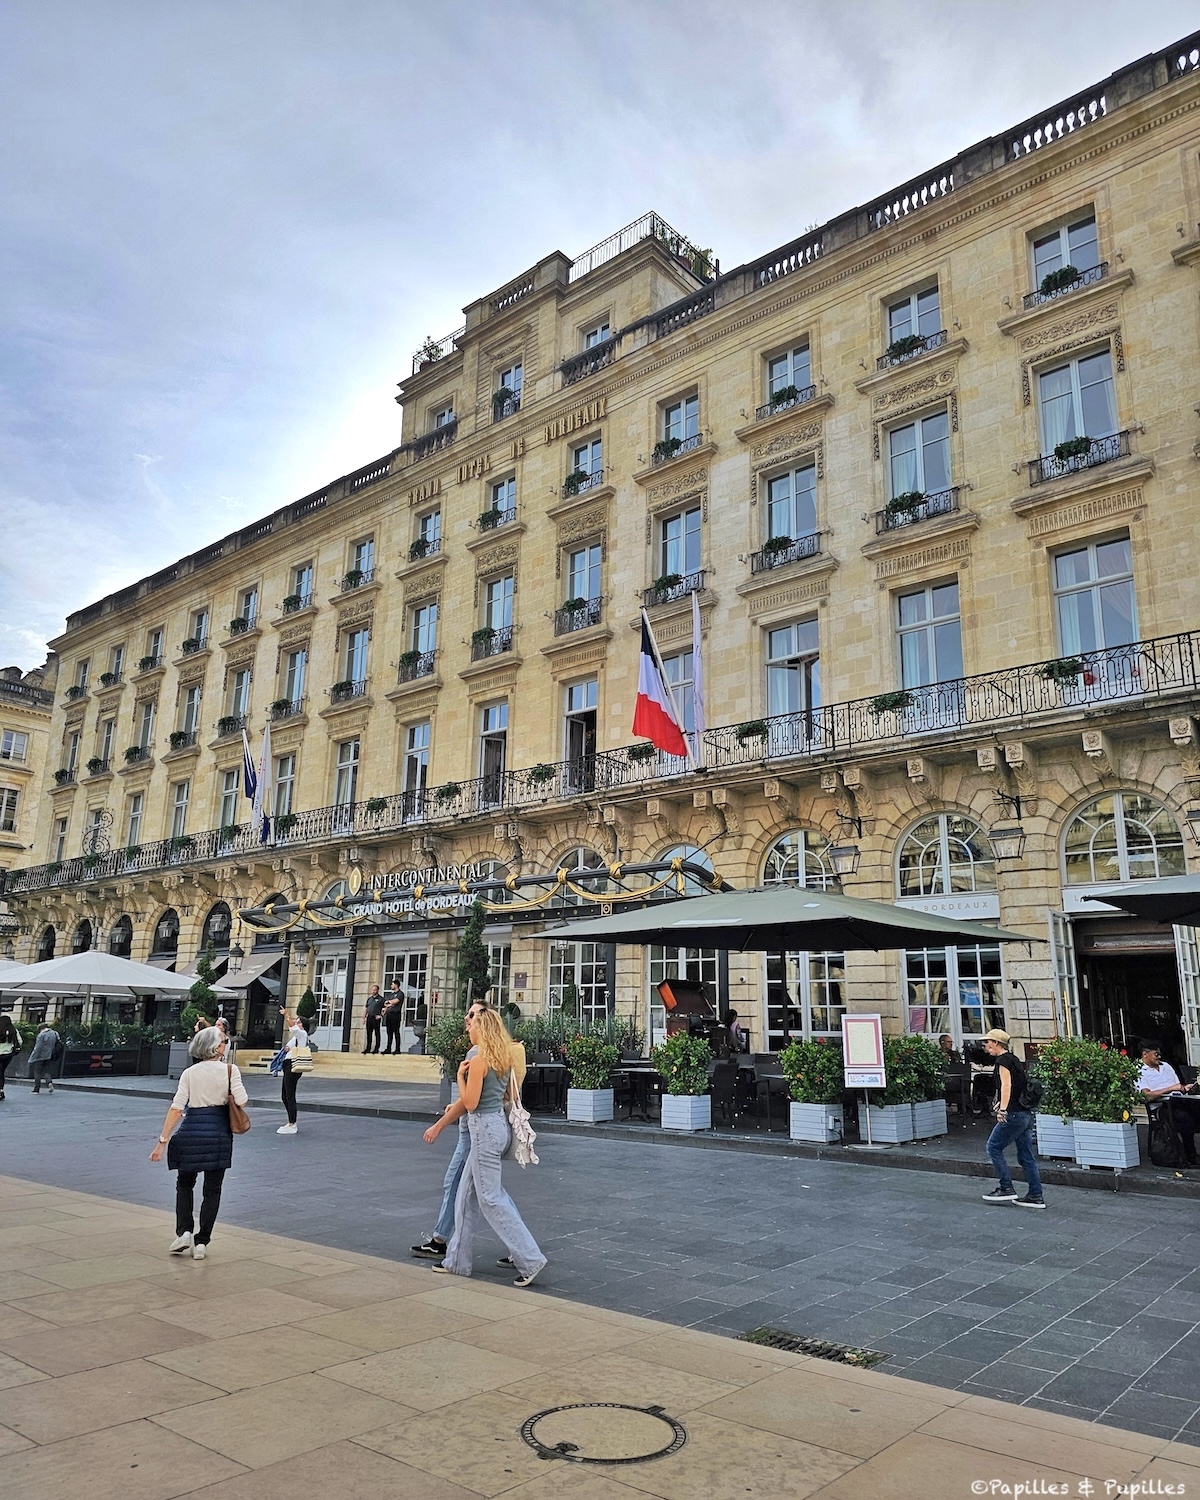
x=199 y=1252
x=182 y=1242
x=287 y=1130
x=51 y=1088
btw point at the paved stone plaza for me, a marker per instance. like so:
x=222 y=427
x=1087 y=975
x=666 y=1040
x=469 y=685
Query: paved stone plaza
x=1091 y=1310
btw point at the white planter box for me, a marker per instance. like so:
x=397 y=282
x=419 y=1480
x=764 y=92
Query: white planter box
x=590 y=1106
x=1055 y=1136
x=1100 y=1144
x=891 y=1124
x=816 y=1122
x=687 y=1112
x=929 y=1119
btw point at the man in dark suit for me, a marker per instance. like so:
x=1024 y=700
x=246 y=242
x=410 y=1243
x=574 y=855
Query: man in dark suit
x=371 y=1016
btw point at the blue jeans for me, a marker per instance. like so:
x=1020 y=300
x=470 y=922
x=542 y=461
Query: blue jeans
x=444 y=1227
x=481 y=1196
x=1017 y=1127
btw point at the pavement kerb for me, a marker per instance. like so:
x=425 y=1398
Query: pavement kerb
x=1052 y=1174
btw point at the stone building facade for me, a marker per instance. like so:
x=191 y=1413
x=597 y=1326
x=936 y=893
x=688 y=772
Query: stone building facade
x=25 y=703
x=931 y=473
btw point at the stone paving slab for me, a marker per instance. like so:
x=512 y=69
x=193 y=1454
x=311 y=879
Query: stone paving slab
x=431 y=1408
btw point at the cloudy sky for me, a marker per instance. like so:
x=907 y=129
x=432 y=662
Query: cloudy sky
x=226 y=224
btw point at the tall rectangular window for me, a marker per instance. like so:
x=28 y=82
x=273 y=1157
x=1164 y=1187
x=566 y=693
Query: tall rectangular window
x=154 y=644
x=179 y=808
x=60 y=839
x=239 y=693
x=295 y=672
x=9 y=800
x=919 y=313
x=248 y=605
x=363 y=557
x=416 y=765
x=583 y=573
x=429 y=529
x=929 y=633
x=1093 y=596
x=116 y=660
x=504 y=498
x=146 y=726
x=199 y=626
x=588 y=457
x=679 y=543
x=345 y=786
x=357 y=642
x=680 y=673
x=14 y=745
x=73 y=751
x=108 y=733
x=190 y=719
x=285 y=785
x=792 y=504
x=682 y=419
x=82 y=667
x=493 y=749
x=424 y=627
x=133 y=820
x=511 y=379
x=230 y=788
x=793 y=668
x=792 y=368
x=1070 y=245
x=302 y=583
x=1077 y=400
x=498 y=603
x=919 y=455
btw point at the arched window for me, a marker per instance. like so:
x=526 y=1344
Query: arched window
x=691 y=885
x=495 y=869
x=338 y=888
x=120 y=939
x=1122 y=836
x=166 y=934
x=217 y=928
x=81 y=938
x=944 y=855
x=579 y=859
x=800 y=858
x=45 y=947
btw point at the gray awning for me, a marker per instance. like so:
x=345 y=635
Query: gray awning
x=254 y=966
x=1173 y=899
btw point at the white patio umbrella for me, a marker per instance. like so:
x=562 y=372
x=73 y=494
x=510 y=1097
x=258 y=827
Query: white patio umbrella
x=95 y=972
x=10 y=966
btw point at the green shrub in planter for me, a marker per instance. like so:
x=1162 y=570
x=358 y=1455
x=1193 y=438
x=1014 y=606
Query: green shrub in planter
x=483 y=634
x=891 y=702
x=447 y=792
x=814 y=1071
x=774 y=545
x=539 y=775
x=376 y=804
x=785 y=394
x=683 y=1061
x=1101 y=1081
x=573 y=606
x=352 y=578
x=1049 y=1068
x=575 y=481
x=1062 y=669
x=667 y=448
x=753 y=729
x=909 y=344
x=907 y=1061
x=905 y=504
x=284 y=823
x=665 y=582
x=590 y=1060
x=1057 y=281
x=490 y=519
x=418 y=548
x=281 y=707
x=641 y=755
x=1076 y=447
x=292 y=602
x=306 y=1007
x=239 y=625
x=447 y=1040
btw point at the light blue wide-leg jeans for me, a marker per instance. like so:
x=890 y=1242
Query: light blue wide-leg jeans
x=481 y=1195
x=444 y=1227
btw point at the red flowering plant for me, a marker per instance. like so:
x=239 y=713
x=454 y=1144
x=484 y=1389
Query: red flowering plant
x=814 y=1071
x=1101 y=1083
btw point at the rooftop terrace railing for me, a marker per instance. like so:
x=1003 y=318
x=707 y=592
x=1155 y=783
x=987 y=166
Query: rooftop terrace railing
x=1133 y=674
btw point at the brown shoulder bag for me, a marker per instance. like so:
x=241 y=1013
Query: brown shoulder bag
x=239 y=1120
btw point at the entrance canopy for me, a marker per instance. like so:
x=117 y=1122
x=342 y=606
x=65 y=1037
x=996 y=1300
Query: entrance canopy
x=778 y=919
x=98 y=973
x=1175 y=899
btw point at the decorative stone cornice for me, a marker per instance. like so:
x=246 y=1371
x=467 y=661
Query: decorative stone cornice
x=1124 y=474
x=673 y=465
x=879 y=380
x=921 y=534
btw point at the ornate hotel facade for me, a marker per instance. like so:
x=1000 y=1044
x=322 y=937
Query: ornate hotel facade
x=931 y=471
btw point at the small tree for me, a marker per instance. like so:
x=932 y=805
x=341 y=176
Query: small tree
x=306 y=1007
x=473 y=968
x=202 y=998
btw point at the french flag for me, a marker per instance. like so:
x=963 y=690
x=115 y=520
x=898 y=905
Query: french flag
x=654 y=716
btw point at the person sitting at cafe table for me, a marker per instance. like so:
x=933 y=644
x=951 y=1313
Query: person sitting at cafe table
x=737 y=1037
x=949 y=1051
x=1157 y=1081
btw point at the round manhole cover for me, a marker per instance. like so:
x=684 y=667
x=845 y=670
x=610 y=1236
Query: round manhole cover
x=603 y=1432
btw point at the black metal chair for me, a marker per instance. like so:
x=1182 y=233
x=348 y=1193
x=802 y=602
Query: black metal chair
x=724 y=1091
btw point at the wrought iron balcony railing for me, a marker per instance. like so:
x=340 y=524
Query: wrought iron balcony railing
x=433 y=442
x=672 y=586
x=424 y=546
x=1015 y=697
x=781 y=550
x=915 y=344
x=580 y=485
x=1084 y=278
x=1099 y=451
x=786 y=402
x=505 y=408
x=669 y=448
x=567 y=620
x=348 y=688
x=294 y=602
x=286 y=708
x=229 y=724
x=416 y=664
x=355 y=578
x=894 y=516
x=182 y=739
x=491 y=641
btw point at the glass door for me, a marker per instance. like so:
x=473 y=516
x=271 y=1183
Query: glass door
x=1066 y=981
x=329 y=990
x=1187 y=955
x=409 y=970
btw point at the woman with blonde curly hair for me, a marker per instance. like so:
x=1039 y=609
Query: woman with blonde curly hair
x=485 y=1083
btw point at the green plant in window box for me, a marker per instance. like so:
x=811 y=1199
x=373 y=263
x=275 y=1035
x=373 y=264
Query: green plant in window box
x=491 y=518
x=1058 y=281
x=774 y=545
x=785 y=395
x=95 y=766
x=909 y=344
x=134 y=754
x=284 y=823
x=229 y=724
x=281 y=708
x=147 y=663
x=665 y=582
x=1062 y=669
x=666 y=448
x=574 y=605
x=191 y=645
x=182 y=842
x=575 y=481
x=891 y=702
x=410 y=658
x=239 y=625
x=590 y=1061
x=77 y=690
x=752 y=729
x=484 y=633
x=376 y=805
x=814 y=1071
x=107 y=679
x=1076 y=447
x=418 y=548
x=131 y=852
x=228 y=832
x=641 y=755
x=500 y=396
x=54 y=867
x=905 y=504
x=292 y=602
x=90 y=861
x=61 y=778
x=352 y=578
x=539 y=775
x=178 y=738
x=683 y=1061
x=340 y=690
x=447 y=792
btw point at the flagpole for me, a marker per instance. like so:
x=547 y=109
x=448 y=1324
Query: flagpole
x=662 y=672
x=699 y=707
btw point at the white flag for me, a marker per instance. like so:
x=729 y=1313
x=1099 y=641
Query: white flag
x=698 y=710
x=262 y=820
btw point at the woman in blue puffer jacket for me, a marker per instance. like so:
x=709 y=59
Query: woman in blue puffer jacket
x=204 y=1140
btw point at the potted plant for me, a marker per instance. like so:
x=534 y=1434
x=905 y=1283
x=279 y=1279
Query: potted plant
x=284 y=824
x=181 y=843
x=135 y=753
x=752 y=729
x=107 y=679
x=306 y=1008
x=905 y=504
x=886 y=703
x=1062 y=669
x=409 y=659
x=95 y=766
x=352 y=578
x=281 y=708
x=575 y=481
x=147 y=663
x=292 y=602
x=1076 y=447
x=666 y=448
x=228 y=832
x=590 y=1061
x=239 y=625
x=376 y=805
x=429 y=352
x=1102 y=1083
x=683 y=1061
x=641 y=755
x=63 y=777
x=490 y=518
x=447 y=792
x=76 y=690
x=1058 y=281
x=340 y=690
x=665 y=582
x=784 y=396
x=131 y=852
x=539 y=776
x=902 y=348
x=418 y=548
x=446 y=1039
x=1053 y=1123
x=191 y=645
x=573 y=605
x=500 y=396
x=929 y=1110
x=483 y=636
x=816 y=1083
x=228 y=724
x=891 y=1119
x=774 y=545
x=90 y=861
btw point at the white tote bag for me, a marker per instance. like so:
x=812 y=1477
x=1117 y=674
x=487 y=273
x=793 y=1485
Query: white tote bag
x=523 y=1133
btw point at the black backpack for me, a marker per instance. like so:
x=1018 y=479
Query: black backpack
x=59 y=1049
x=1166 y=1144
x=1031 y=1094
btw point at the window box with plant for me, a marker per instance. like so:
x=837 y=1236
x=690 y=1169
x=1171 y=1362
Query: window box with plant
x=179 y=739
x=191 y=645
x=490 y=519
x=292 y=602
x=1074 y=448
x=665 y=449
x=539 y=776
x=228 y=832
x=447 y=792
x=574 y=482
x=905 y=505
x=76 y=690
x=109 y=679
x=752 y=731
x=340 y=691
x=281 y=708
x=774 y=545
x=1062 y=669
x=136 y=753
x=892 y=703
x=911 y=343
x=816 y=1083
x=1058 y=281
x=418 y=548
x=352 y=578
x=96 y=765
x=641 y=755
x=504 y=402
x=484 y=636
x=375 y=805
x=229 y=724
x=682 y=1061
x=284 y=824
x=590 y=1061
x=182 y=843
x=573 y=605
x=148 y=663
x=63 y=777
x=239 y=625
x=665 y=583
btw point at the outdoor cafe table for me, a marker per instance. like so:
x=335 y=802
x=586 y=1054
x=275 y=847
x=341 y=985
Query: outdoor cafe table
x=641 y=1087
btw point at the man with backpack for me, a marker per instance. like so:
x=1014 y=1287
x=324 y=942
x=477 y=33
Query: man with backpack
x=1019 y=1097
x=46 y=1047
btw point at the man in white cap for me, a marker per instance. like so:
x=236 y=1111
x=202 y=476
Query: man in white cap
x=1014 y=1124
